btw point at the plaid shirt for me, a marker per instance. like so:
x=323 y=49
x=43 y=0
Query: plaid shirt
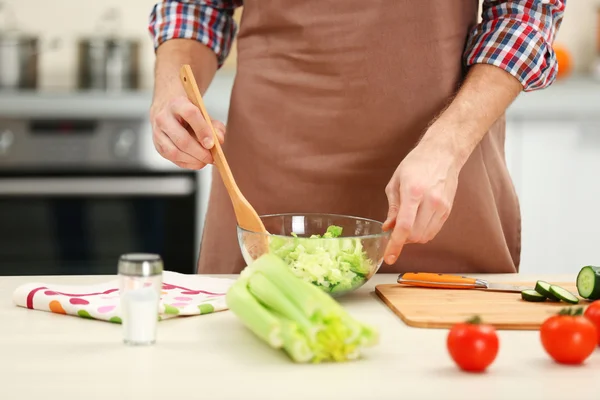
x=515 y=35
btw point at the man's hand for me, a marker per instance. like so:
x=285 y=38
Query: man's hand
x=421 y=191
x=420 y=196
x=180 y=133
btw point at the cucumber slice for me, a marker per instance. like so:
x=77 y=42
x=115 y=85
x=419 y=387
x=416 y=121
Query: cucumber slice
x=563 y=294
x=532 y=295
x=588 y=282
x=543 y=288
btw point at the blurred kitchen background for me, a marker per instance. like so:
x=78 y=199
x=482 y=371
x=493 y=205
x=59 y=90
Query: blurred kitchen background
x=81 y=183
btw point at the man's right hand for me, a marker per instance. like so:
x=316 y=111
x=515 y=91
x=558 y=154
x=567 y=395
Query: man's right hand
x=181 y=134
x=179 y=131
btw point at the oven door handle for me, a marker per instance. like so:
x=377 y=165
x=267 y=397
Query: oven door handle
x=97 y=186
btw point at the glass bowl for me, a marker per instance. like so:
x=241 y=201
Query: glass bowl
x=337 y=253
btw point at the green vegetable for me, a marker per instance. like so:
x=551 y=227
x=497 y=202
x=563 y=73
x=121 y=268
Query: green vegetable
x=532 y=295
x=333 y=265
x=563 y=294
x=588 y=282
x=291 y=314
x=543 y=288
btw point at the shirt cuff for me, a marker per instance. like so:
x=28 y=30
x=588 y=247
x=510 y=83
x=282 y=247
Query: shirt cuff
x=517 y=47
x=208 y=25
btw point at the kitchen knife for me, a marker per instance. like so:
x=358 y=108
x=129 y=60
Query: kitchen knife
x=447 y=281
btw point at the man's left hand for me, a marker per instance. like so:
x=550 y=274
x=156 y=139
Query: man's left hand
x=421 y=191
x=420 y=195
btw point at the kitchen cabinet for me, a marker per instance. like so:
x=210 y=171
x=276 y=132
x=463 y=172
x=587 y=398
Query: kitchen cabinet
x=556 y=164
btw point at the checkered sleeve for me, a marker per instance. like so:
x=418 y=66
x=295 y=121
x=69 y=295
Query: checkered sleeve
x=207 y=21
x=517 y=36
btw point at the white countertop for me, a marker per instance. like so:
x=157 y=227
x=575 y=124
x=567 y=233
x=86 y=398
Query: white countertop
x=49 y=356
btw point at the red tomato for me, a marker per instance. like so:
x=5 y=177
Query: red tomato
x=472 y=345
x=569 y=337
x=592 y=313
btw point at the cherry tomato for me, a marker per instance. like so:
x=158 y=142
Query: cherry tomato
x=472 y=345
x=569 y=337
x=592 y=313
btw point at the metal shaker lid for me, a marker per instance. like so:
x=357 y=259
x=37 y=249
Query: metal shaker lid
x=140 y=264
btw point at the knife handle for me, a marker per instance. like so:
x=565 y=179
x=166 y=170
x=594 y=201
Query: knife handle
x=433 y=280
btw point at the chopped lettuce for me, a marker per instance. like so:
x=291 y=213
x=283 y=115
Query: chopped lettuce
x=334 y=265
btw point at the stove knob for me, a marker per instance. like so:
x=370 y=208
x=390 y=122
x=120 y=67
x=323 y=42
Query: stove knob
x=6 y=140
x=124 y=143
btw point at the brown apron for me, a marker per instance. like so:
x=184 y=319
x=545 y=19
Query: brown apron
x=329 y=97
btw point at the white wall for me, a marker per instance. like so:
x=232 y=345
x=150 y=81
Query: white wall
x=71 y=19
x=579 y=32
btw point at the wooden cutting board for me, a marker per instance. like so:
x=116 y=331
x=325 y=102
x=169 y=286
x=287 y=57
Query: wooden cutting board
x=442 y=308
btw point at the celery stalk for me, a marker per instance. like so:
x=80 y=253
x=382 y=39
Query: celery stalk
x=254 y=315
x=294 y=343
x=291 y=314
x=271 y=296
x=304 y=295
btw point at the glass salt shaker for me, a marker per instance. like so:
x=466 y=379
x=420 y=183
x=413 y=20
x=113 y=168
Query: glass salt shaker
x=140 y=278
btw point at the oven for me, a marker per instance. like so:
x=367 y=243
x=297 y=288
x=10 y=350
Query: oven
x=78 y=189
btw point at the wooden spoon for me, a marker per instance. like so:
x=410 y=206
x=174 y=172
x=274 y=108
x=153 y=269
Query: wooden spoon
x=247 y=217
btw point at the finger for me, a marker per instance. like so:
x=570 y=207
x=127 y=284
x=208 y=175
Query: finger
x=184 y=141
x=440 y=209
x=191 y=114
x=220 y=128
x=424 y=215
x=392 y=192
x=169 y=150
x=435 y=224
x=183 y=165
x=402 y=229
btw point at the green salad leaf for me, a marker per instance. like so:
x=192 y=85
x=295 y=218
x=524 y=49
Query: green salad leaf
x=334 y=265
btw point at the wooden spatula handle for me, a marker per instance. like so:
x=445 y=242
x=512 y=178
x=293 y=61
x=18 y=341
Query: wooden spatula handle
x=432 y=280
x=193 y=93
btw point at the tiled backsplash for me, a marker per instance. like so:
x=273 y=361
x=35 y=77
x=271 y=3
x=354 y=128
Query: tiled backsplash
x=71 y=19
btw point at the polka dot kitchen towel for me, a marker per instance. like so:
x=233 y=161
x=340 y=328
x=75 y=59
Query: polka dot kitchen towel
x=182 y=295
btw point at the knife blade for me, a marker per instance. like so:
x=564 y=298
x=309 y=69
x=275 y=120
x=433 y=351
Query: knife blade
x=448 y=281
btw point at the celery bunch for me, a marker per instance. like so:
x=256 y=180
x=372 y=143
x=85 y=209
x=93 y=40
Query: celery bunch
x=291 y=314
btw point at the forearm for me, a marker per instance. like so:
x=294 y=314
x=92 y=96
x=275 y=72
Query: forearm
x=485 y=95
x=174 y=53
x=508 y=52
